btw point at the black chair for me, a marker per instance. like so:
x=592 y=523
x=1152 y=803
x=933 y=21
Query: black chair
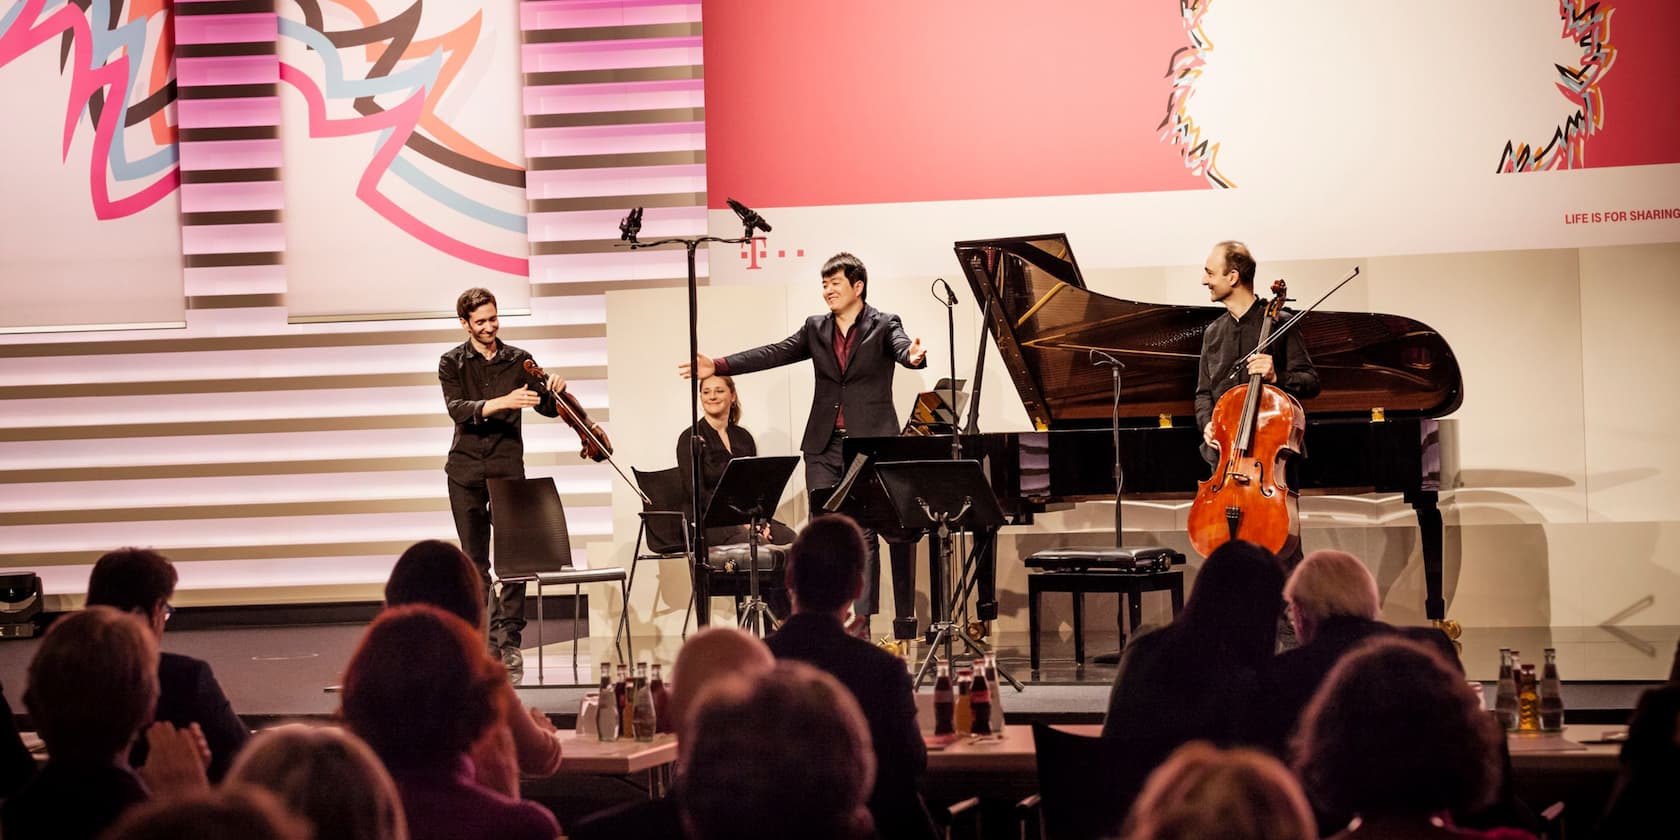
x=531 y=544
x=1127 y=572
x=664 y=534
x=1086 y=785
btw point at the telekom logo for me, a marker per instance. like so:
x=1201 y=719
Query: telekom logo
x=754 y=251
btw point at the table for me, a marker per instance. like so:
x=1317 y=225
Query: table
x=1007 y=766
x=624 y=757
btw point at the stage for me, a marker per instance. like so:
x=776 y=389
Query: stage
x=278 y=664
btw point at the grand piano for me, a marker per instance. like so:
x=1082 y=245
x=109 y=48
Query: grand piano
x=1374 y=427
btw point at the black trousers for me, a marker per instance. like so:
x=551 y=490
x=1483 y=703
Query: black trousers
x=822 y=472
x=471 y=505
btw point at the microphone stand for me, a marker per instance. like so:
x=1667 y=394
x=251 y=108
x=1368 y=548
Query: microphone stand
x=949 y=301
x=1102 y=359
x=629 y=228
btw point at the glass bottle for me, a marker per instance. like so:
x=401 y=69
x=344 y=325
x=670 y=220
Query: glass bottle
x=1505 y=702
x=997 y=694
x=606 y=713
x=642 y=713
x=980 y=700
x=1551 y=695
x=1528 y=700
x=963 y=715
x=621 y=693
x=661 y=701
x=944 y=703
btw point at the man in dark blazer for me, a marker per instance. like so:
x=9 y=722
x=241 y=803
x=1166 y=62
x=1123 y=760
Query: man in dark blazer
x=824 y=572
x=1333 y=601
x=853 y=350
x=142 y=581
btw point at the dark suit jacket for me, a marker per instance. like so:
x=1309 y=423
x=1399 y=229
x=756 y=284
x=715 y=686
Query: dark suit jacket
x=188 y=693
x=881 y=685
x=865 y=389
x=1296 y=675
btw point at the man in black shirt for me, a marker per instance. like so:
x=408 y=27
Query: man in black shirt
x=1229 y=278
x=485 y=390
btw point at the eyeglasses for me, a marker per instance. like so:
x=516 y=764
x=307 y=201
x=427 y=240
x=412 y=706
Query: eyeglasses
x=168 y=611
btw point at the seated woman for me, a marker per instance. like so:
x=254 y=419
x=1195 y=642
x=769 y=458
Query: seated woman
x=421 y=691
x=1393 y=742
x=722 y=439
x=1197 y=678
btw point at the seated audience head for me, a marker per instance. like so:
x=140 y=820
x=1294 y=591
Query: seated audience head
x=1234 y=601
x=93 y=684
x=420 y=688
x=783 y=754
x=437 y=573
x=1327 y=584
x=1395 y=731
x=1204 y=791
x=327 y=776
x=825 y=566
x=716 y=652
x=234 y=812
x=137 y=580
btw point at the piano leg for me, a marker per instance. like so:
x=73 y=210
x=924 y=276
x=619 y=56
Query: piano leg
x=1427 y=505
x=985 y=568
x=904 y=589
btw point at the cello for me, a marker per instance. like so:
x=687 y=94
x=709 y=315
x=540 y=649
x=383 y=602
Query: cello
x=1248 y=497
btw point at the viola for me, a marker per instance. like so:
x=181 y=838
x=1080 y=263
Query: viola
x=1259 y=427
x=596 y=446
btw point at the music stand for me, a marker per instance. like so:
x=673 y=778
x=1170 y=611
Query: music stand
x=746 y=494
x=938 y=496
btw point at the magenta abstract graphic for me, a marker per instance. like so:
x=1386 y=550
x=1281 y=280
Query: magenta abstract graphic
x=1586 y=22
x=366 y=73
x=117 y=58
x=1177 y=127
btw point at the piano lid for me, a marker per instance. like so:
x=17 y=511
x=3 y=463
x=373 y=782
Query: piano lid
x=1045 y=322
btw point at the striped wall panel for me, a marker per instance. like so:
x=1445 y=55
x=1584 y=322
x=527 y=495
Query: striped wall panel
x=614 y=115
x=279 y=462
x=228 y=112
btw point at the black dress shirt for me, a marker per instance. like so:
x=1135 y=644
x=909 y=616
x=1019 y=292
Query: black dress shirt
x=1228 y=339
x=486 y=447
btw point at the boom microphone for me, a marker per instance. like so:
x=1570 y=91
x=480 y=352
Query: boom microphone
x=751 y=219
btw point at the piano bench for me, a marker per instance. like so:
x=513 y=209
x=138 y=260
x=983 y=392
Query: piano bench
x=1129 y=573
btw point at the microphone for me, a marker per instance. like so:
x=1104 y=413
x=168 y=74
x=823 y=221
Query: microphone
x=1101 y=359
x=751 y=219
x=630 y=225
x=950 y=298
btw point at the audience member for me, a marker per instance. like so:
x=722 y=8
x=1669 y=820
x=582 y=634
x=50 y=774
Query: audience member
x=1333 y=603
x=92 y=685
x=1650 y=768
x=327 y=776
x=1197 y=678
x=437 y=573
x=713 y=654
x=142 y=581
x=782 y=755
x=420 y=690
x=17 y=766
x=1239 y=794
x=824 y=576
x=1394 y=741
x=236 y=812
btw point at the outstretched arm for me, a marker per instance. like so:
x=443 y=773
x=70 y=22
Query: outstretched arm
x=907 y=351
x=792 y=349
